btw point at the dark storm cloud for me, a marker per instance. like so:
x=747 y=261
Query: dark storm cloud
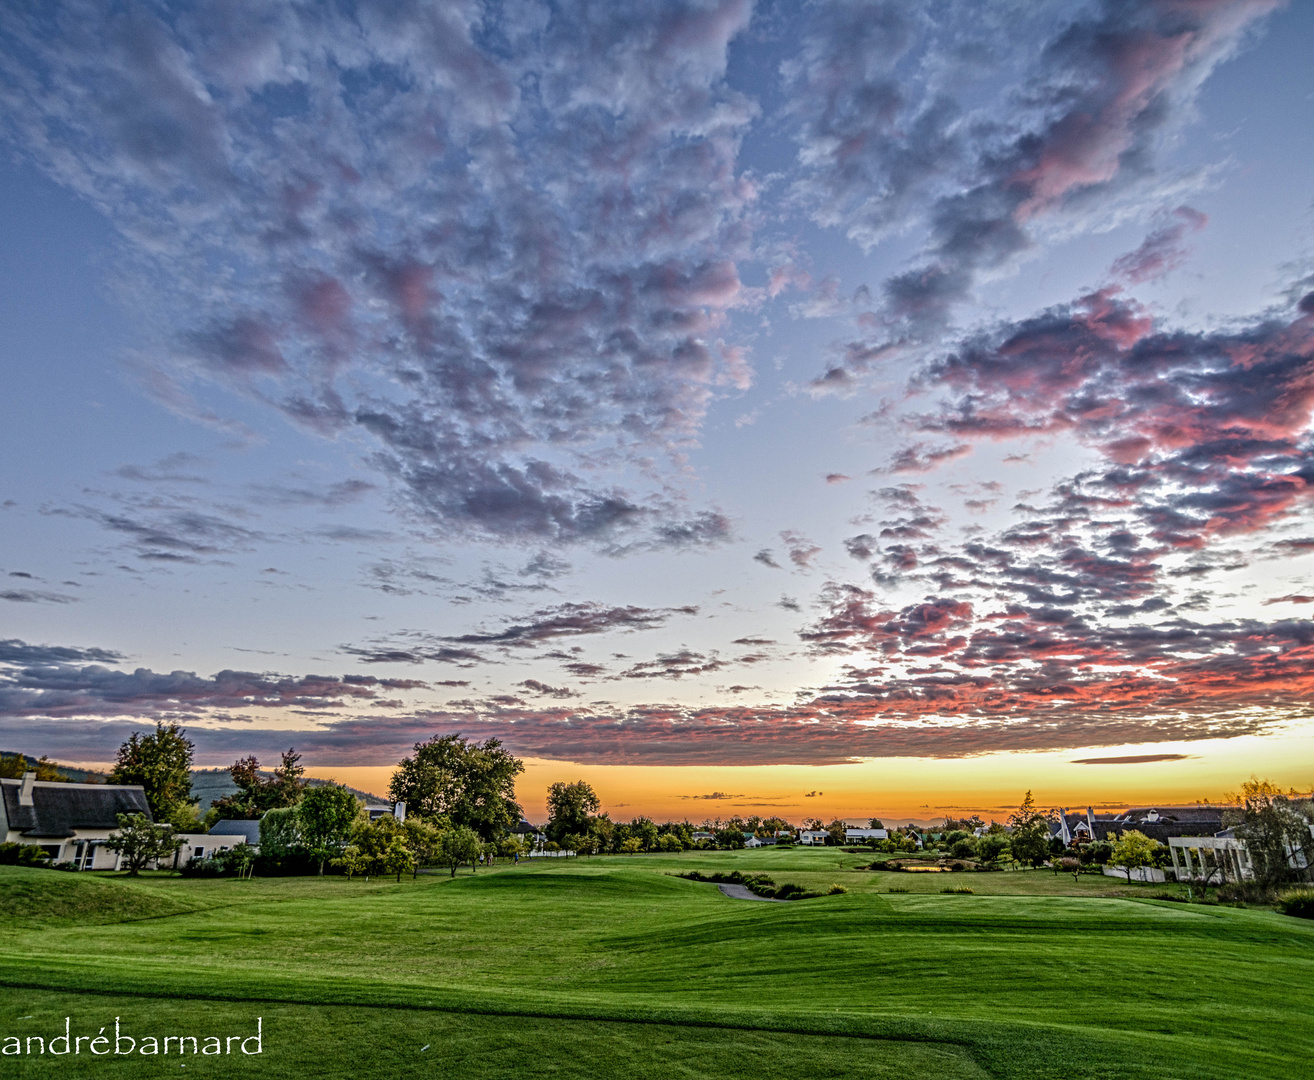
x=499 y=244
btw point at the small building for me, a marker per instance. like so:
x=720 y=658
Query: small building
x=379 y=810
x=69 y=822
x=230 y=832
x=813 y=837
x=860 y=836
x=751 y=841
x=703 y=836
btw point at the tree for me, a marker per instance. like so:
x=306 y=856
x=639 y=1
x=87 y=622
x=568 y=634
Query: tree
x=280 y=833
x=669 y=842
x=990 y=848
x=162 y=764
x=473 y=784
x=1276 y=828
x=1132 y=851
x=377 y=847
x=835 y=831
x=730 y=838
x=255 y=794
x=570 y=807
x=1029 y=840
x=326 y=815
x=645 y=831
x=963 y=848
x=14 y=766
x=457 y=845
x=140 y=841
x=874 y=823
x=423 y=841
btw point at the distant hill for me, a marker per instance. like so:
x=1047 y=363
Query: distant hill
x=79 y=776
x=211 y=784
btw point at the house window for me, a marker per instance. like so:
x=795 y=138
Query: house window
x=198 y=853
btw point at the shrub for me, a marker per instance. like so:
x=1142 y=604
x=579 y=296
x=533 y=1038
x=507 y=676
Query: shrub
x=835 y=890
x=22 y=855
x=1297 y=902
x=1244 y=892
x=957 y=890
x=896 y=888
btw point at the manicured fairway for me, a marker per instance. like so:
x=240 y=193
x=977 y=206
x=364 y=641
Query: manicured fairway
x=611 y=967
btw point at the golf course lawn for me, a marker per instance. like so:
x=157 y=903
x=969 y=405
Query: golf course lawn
x=612 y=967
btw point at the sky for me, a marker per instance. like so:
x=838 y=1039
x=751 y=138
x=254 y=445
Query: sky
x=815 y=409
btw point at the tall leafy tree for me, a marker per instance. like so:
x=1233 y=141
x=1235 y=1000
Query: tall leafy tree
x=1276 y=829
x=162 y=764
x=473 y=784
x=326 y=815
x=256 y=794
x=1029 y=840
x=570 y=808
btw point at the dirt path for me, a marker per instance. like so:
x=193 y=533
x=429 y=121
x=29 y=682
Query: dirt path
x=742 y=892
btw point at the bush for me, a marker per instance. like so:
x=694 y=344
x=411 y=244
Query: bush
x=22 y=855
x=1297 y=902
x=1244 y=892
x=963 y=849
x=957 y=890
x=836 y=890
x=755 y=883
x=896 y=888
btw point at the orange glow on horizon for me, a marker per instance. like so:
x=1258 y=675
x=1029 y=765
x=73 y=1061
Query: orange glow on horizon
x=899 y=790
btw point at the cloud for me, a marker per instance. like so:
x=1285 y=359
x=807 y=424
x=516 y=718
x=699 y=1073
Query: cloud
x=676 y=665
x=1205 y=430
x=38 y=684
x=35 y=596
x=331 y=496
x=800 y=549
x=1131 y=759
x=886 y=140
x=498 y=250
x=714 y=796
x=767 y=558
x=573 y=620
x=14 y=651
x=1162 y=251
x=545 y=690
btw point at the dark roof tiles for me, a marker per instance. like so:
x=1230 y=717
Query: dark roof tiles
x=58 y=810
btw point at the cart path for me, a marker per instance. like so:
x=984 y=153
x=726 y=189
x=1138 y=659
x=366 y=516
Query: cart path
x=742 y=892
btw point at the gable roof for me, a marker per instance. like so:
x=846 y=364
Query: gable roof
x=235 y=827
x=59 y=809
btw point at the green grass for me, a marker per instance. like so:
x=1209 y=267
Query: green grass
x=612 y=967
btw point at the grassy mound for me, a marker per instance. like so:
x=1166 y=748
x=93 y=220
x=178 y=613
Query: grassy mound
x=39 y=897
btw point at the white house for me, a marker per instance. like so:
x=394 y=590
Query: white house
x=70 y=822
x=813 y=836
x=860 y=835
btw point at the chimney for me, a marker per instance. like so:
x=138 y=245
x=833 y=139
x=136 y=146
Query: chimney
x=399 y=811
x=25 y=789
